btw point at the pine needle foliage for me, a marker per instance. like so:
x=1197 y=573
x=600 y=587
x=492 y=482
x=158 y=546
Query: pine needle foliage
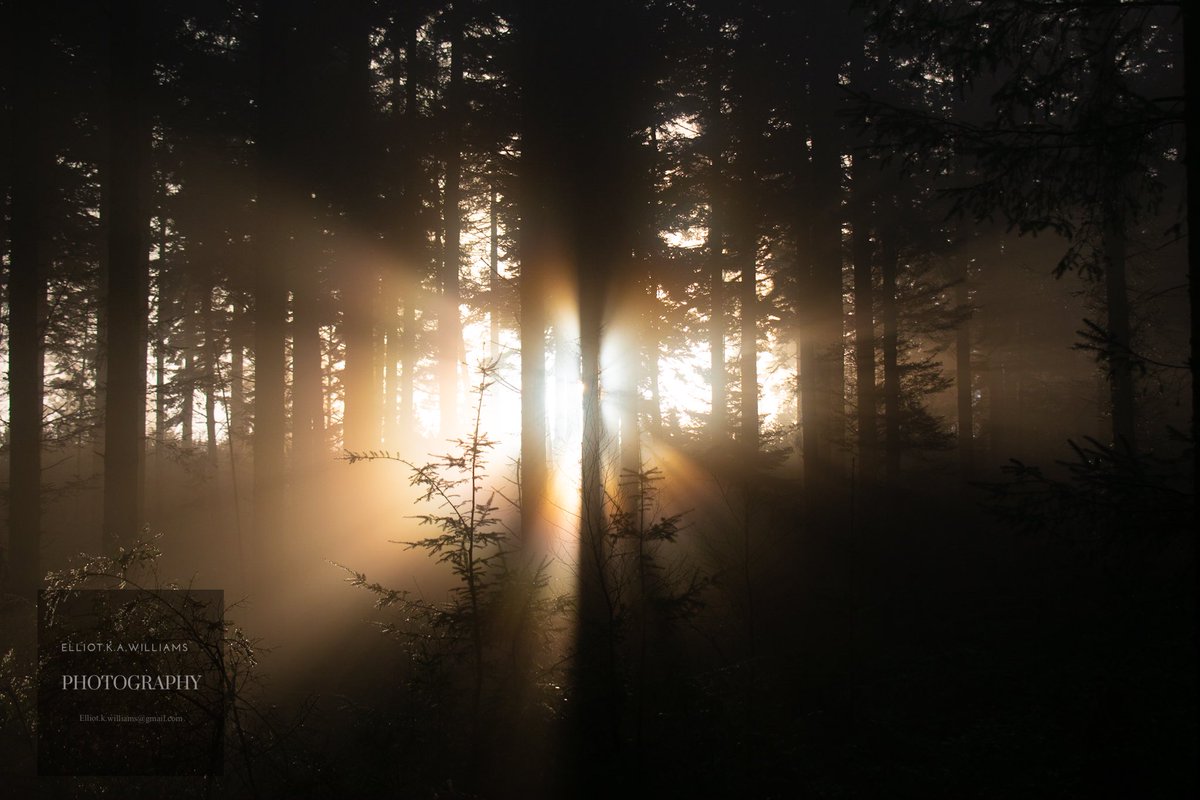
x=494 y=636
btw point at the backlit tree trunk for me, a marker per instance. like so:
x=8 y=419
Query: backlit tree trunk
x=864 y=318
x=718 y=420
x=356 y=265
x=128 y=181
x=270 y=294
x=891 y=368
x=963 y=374
x=308 y=413
x=449 y=323
x=1191 y=26
x=1116 y=296
x=823 y=376
x=26 y=295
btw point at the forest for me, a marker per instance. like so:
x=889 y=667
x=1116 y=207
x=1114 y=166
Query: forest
x=678 y=398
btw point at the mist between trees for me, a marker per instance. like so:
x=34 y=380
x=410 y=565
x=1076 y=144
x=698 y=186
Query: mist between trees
x=799 y=401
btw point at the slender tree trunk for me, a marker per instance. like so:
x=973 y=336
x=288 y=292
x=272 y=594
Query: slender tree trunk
x=161 y=330
x=891 y=365
x=625 y=394
x=270 y=294
x=380 y=374
x=629 y=328
x=494 y=298
x=749 y=351
x=997 y=406
x=328 y=357
x=187 y=390
x=362 y=412
x=1120 y=362
x=237 y=376
x=162 y=308
x=206 y=342
x=561 y=419
x=100 y=350
x=650 y=358
x=651 y=318
x=391 y=363
x=1116 y=168
x=1191 y=27
x=829 y=356
x=823 y=375
x=539 y=156
x=160 y=408
x=128 y=275
x=963 y=377
x=392 y=283
x=308 y=418
x=212 y=356
x=718 y=421
x=864 y=318
x=408 y=366
x=743 y=216
x=449 y=322
x=412 y=233
x=26 y=297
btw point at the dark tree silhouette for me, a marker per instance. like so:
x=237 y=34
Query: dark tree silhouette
x=761 y=312
x=31 y=161
x=127 y=177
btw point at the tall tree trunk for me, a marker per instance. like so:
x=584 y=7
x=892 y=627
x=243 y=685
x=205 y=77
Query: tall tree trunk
x=822 y=377
x=362 y=412
x=891 y=366
x=652 y=375
x=718 y=420
x=408 y=365
x=1191 y=27
x=308 y=418
x=997 y=405
x=650 y=324
x=391 y=362
x=537 y=256
x=749 y=350
x=449 y=322
x=533 y=392
x=26 y=295
x=826 y=361
x=749 y=122
x=237 y=375
x=128 y=274
x=963 y=374
x=580 y=99
x=1117 y=302
x=864 y=317
x=412 y=232
x=623 y=391
x=562 y=417
x=391 y=283
x=270 y=294
x=162 y=328
x=494 y=298
x=212 y=356
x=95 y=453
x=187 y=376
x=160 y=401
x=633 y=336
x=1116 y=168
